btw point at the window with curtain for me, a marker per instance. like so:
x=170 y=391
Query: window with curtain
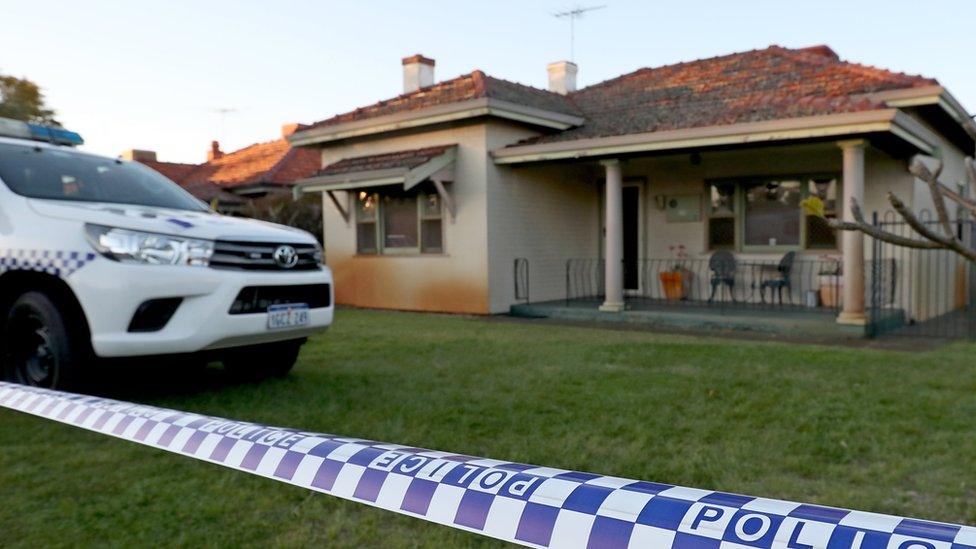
x=394 y=221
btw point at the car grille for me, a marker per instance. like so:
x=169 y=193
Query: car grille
x=259 y=256
x=257 y=299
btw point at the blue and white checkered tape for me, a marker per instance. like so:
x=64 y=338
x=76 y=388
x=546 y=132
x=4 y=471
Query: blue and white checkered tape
x=524 y=504
x=56 y=262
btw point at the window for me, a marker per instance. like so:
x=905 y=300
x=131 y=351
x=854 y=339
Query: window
x=765 y=213
x=399 y=222
x=366 y=222
x=771 y=213
x=431 y=231
x=819 y=234
x=721 y=216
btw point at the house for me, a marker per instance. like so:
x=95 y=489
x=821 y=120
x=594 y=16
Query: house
x=465 y=194
x=231 y=179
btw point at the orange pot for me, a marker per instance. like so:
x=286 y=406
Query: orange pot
x=676 y=284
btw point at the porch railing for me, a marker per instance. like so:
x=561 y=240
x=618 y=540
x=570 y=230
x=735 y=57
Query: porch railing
x=808 y=284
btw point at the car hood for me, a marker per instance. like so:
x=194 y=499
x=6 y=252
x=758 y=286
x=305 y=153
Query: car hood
x=203 y=224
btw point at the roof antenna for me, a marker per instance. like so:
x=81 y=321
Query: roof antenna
x=223 y=112
x=573 y=15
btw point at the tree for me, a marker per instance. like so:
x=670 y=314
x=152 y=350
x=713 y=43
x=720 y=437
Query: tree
x=22 y=99
x=942 y=238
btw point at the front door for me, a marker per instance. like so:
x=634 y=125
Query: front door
x=631 y=203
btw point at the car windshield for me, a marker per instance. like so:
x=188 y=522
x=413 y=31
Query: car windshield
x=62 y=174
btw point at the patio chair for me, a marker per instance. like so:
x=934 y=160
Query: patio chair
x=781 y=279
x=722 y=264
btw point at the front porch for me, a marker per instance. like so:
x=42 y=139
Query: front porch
x=787 y=296
x=696 y=316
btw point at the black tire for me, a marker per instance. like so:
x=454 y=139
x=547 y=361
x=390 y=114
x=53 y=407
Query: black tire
x=39 y=347
x=256 y=362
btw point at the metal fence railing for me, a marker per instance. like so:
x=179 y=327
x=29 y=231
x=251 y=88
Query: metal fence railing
x=921 y=292
x=797 y=284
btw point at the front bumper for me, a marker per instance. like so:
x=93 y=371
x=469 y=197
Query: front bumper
x=110 y=293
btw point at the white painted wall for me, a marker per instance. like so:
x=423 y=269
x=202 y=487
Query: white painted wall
x=546 y=214
x=456 y=281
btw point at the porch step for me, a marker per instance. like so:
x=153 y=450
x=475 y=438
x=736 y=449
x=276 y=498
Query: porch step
x=813 y=324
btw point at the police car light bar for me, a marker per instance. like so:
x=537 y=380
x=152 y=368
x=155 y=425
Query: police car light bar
x=39 y=132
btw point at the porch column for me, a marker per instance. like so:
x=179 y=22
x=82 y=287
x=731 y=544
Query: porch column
x=614 y=248
x=853 y=241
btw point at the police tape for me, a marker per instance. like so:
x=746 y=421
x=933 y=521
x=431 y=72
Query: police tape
x=524 y=504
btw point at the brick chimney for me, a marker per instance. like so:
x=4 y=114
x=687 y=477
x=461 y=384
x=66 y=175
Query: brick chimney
x=139 y=155
x=562 y=76
x=214 y=153
x=418 y=72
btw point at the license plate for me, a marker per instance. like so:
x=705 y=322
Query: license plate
x=287 y=316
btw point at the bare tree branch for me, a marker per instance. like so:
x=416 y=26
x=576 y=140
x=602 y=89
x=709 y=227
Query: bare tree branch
x=931 y=178
x=931 y=239
x=947 y=242
x=859 y=224
x=884 y=236
x=967 y=203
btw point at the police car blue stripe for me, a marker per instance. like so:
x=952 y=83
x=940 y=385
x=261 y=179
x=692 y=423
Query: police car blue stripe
x=521 y=503
x=56 y=262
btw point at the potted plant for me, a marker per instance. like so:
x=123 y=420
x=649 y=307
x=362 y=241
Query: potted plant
x=676 y=281
x=831 y=283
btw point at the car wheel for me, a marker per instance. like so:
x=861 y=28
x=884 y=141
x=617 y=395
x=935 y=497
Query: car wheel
x=39 y=349
x=260 y=361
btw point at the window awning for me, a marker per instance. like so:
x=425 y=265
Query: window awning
x=407 y=168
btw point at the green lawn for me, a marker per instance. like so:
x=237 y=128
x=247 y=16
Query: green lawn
x=882 y=431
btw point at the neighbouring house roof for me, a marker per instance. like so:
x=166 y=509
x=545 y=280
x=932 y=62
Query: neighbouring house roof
x=768 y=84
x=203 y=190
x=207 y=192
x=173 y=170
x=408 y=168
x=275 y=163
x=271 y=163
x=476 y=85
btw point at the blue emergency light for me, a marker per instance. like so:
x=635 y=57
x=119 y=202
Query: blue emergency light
x=39 y=132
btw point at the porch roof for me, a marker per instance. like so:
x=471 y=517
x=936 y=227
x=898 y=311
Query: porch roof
x=887 y=122
x=408 y=168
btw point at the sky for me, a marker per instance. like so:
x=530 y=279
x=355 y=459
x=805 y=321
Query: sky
x=155 y=75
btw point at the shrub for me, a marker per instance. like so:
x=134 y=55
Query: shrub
x=304 y=213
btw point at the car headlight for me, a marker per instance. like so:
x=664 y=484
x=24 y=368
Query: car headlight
x=128 y=246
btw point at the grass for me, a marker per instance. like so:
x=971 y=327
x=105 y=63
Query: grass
x=882 y=431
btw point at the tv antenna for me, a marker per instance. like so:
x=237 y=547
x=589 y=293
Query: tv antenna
x=573 y=15
x=222 y=112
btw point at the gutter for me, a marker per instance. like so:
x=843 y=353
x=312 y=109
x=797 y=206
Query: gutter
x=833 y=125
x=450 y=112
x=929 y=95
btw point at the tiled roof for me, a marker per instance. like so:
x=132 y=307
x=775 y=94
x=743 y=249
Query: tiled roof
x=476 y=85
x=272 y=163
x=207 y=191
x=173 y=170
x=400 y=159
x=768 y=84
x=759 y=85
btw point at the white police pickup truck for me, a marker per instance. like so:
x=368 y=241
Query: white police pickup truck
x=101 y=257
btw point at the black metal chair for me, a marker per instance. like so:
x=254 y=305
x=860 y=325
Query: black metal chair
x=723 y=265
x=781 y=280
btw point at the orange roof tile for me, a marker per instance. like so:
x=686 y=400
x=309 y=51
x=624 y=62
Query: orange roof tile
x=767 y=84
